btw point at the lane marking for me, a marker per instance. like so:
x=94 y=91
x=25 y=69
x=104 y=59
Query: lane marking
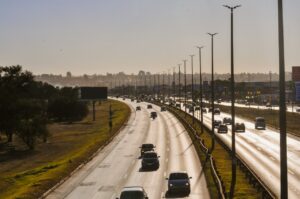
x=291 y=172
x=258 y=148
x=167 y=160
x=272 y=158
x=125 y=176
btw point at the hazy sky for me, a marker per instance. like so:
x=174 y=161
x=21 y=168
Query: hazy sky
x=99 y=36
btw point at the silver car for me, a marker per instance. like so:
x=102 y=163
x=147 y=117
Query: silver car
x=135 y=192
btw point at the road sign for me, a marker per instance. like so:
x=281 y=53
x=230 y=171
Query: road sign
x=297 y=87
x=93 y=93
x=296 y=73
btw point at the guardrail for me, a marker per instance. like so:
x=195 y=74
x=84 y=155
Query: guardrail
x=250 y=174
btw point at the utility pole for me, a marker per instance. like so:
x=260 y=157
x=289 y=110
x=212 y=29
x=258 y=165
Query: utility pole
x=212 y=94
x=233 y=155
x=179 y=84
x=184 y=63
x=201 y=88
x=270 y=76
x=174 y=85
x=282 y=111
x=192 y=69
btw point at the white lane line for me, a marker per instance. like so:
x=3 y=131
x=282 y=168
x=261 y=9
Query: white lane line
x=168 y=149
x=165 y=174
x=291 y=172
x=162 y=195
x=167 y=160
x=272 y=158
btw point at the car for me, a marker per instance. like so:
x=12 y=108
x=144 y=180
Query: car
x=269 y=105
x=138 y=101
x=134 y=192
x=240 y=127
x=178 y=105
x=217 y=111
x=210 y=109
x=153 y=114
x=138 y=108
x=298 y=110
x=227 y=120
x=149 y=106
x=132 y=100
x=146 y=147
x=179 y=182
x=217 y=123
x=191 y=109
x=163 y=108
x=222 y=128
x=124 y=98
x=197 y=108
x=219 y=101
x=260 y=123
x=204 y=110
x=150 y=160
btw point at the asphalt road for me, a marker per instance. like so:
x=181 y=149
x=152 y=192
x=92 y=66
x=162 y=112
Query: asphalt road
x=118 y=164
x=260 y=150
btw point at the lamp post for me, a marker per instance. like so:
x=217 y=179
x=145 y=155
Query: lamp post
x=179 y=84
x=282 y=111
x=233 y=167
x=192 y=70
x=212 y=94
x=184 y=64
x=201 y=88
x=174 y=84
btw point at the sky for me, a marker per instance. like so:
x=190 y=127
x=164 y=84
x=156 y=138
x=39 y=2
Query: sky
x=100 y=36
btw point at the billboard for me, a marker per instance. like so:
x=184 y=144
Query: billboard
x=92 y=93
x=297 y=87
x=296 y=73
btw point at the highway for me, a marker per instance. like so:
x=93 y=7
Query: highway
x=295 y=109
x=118 y=164
x=260 y=150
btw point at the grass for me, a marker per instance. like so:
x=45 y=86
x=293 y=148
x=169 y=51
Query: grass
x=28 y=174
x=271 y=116
x=243 y=189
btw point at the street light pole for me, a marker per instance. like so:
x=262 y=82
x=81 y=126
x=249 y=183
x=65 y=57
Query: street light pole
x=192 y=70
x=184 y=63
x=212 y=94
x=233 y=155
x=179 y=83
x=174 y=85
x=282 y=111
x=201 y=88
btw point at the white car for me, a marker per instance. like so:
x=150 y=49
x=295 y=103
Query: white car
x=134 y=192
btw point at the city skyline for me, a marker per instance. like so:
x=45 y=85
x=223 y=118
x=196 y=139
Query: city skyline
x=96 y=37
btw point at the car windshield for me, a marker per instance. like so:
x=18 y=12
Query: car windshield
x=178 y=176
x=260 y=120
x=150 y=155
x=132 y=195
x=147 y=146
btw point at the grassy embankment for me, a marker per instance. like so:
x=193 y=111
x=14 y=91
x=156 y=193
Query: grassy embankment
x=222 y=158
x=271 y=116
x=28 y=174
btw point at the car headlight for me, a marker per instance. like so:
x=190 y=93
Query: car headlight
x=187 y=184
x=171 y=185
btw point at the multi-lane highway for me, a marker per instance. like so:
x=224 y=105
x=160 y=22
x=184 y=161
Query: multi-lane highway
x=119 y=164
x=260 y=150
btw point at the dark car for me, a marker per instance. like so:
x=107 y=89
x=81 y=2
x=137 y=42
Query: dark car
x=146 y=147
x=153 y=114
x=149 y=106
x=150 y=160
x=138 y=101
x=132 y=100
x=191 y=109
x=179 y=182
x=163 y=108
x=217 y=123
x=210 y=109
x=204 y=110
x=197 y=108
x=222 y=128
x=124 y=98
x=240 y=127
x=138 y=108
x=227 y=120
x=217 y=111
x=135 y=192
x=260 y=123
x=178 y=105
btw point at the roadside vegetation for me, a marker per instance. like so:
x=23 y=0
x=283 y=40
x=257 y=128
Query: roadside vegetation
x=271 y=116
x=222 y=159
x=46 y=132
